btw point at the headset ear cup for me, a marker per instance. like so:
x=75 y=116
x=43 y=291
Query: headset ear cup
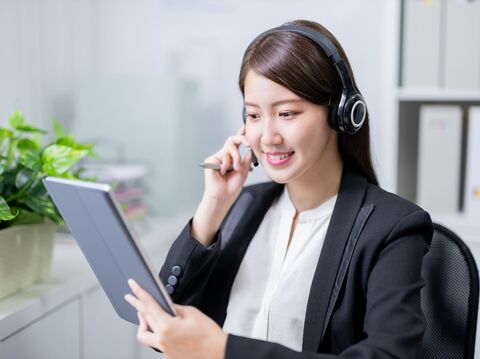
x=354 y=113
x=333 y=114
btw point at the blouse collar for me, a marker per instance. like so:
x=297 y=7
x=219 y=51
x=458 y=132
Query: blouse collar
x=324 y=209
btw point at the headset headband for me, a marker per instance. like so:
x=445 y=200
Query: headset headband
x=325 y=44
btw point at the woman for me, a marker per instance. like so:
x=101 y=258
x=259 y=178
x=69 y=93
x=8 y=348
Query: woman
x=318 y=263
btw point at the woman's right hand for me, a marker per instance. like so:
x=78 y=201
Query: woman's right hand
x=222 y=187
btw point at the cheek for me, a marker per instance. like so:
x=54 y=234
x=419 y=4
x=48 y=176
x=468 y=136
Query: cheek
x=301 y=137
x=309 y=138
x=253 y=136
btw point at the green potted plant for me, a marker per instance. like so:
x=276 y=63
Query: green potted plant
x=28 y=217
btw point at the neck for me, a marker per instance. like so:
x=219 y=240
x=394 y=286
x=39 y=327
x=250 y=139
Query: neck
x=320 y=185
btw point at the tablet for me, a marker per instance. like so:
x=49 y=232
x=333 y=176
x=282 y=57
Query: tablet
x=99 y=226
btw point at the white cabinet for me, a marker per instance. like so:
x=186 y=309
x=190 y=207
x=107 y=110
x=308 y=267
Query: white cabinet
x=56 y=335
x=85 y=328
x=69 y=316
x=104 y=334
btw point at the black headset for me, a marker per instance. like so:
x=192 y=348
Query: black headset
x=348 y=109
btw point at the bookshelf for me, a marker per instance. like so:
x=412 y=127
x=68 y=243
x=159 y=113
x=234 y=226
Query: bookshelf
x=413 y=92
x=437 y=95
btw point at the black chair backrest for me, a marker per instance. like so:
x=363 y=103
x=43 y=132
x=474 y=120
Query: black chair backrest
x=449 y=298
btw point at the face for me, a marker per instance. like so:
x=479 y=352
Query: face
x=290 y=136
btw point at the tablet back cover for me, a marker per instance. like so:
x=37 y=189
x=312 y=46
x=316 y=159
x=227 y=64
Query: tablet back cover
x=92 y=216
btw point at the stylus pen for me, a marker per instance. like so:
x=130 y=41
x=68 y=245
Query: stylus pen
x=217 y=166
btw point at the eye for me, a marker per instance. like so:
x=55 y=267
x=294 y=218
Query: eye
x=287 y=114
x=252 y=116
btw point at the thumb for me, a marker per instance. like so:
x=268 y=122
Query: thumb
x=181 y=310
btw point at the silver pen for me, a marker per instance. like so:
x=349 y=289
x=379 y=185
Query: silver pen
x=211 y=166
x=217 y=166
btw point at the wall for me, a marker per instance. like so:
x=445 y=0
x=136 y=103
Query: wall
x=156 y=81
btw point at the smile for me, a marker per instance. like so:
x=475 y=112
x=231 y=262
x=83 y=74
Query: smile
x=278 y=158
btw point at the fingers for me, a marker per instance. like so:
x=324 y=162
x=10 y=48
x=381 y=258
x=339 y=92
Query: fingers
x=238 y=140
x=142 y=323
x=229 y=156
x=246 y=162
x=146 y=305
x=139 y=292
x=241 y=131
x=144 y=335
x=141 y=308
x=226 y=163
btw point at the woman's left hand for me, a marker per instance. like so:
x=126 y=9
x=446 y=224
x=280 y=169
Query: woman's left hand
x=189 y=334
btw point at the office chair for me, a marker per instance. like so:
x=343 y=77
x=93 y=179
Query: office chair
x=449 y=298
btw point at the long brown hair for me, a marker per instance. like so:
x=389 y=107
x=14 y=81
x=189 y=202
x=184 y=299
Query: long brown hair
x=297 y=63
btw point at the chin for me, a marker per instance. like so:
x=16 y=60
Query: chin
x=277 y=177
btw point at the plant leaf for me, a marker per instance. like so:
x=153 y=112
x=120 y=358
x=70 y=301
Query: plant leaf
x=57 y=129
x=29 y=128
x=5 y=212
x=42 y=205
x=27 y=217
x=57 y=159
x=2 y=168
x=28 y=144
x=23 y=177
x=17 y=121
x=7 y=182
x=29 y=154
x=4 y=133
x=70 y=142
x=37 y=189
x=66 y=141
x=30 y=159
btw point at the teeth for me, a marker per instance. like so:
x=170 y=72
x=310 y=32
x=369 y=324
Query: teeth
x=279 y=157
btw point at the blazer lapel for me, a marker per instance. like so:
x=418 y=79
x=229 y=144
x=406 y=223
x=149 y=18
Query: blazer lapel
x=349 y=201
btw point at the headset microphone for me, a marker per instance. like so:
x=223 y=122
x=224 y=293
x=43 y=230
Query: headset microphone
x=254 y=158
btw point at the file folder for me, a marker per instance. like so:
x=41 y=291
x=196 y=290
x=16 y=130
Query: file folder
x=472 y=183
x=462 y=44
x=440 y=137
x=421 y=43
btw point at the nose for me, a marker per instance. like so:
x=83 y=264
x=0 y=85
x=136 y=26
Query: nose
x=270 y=134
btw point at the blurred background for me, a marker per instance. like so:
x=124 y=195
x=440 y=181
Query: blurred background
x=154 y=82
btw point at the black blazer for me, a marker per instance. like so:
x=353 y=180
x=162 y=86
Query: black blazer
x=364 y=299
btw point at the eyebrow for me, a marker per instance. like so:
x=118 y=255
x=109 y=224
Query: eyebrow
x=277 y=103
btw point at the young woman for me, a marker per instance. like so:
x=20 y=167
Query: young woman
x=318 y=263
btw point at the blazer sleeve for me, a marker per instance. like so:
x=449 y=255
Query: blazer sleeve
x=189 y=265
x=393 y=323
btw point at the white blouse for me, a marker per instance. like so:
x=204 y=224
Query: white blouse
x=269 y=296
